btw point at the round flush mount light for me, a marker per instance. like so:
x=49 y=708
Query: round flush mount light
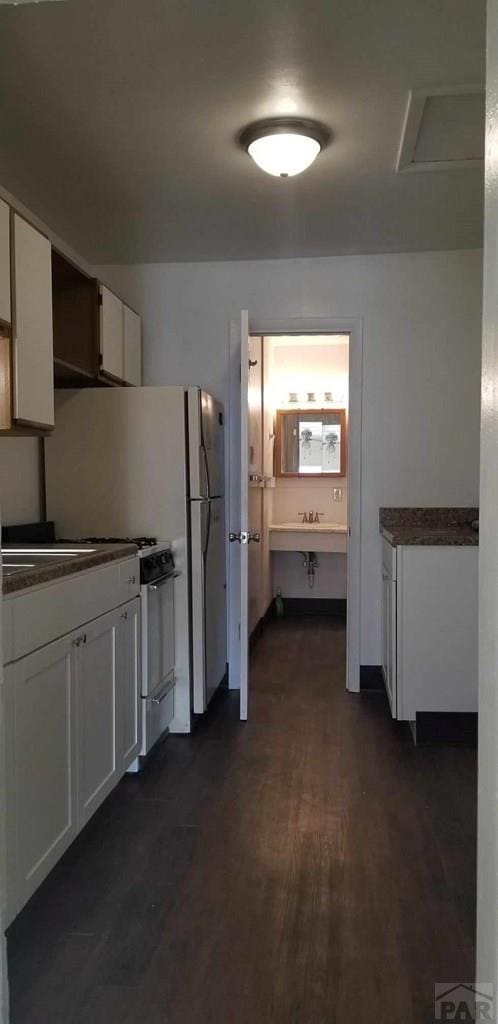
x=284 y=146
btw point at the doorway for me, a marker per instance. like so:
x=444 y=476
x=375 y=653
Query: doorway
x=259 y=489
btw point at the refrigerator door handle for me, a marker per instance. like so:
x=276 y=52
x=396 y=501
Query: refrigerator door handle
x=206 y=469
x=208 y=534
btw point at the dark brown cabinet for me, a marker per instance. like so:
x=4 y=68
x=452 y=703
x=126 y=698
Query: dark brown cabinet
x=75 y=299
x=97 y=338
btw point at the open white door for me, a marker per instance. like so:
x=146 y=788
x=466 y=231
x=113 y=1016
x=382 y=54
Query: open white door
x=244 y=514
x=238 y=518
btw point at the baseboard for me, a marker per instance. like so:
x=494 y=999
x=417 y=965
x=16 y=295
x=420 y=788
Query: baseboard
x=371 y=677
x=446 y=727
x=336 y=606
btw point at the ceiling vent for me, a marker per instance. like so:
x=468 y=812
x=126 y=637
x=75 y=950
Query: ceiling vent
x=443 y=129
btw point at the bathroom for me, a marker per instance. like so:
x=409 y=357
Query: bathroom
x=298 y=475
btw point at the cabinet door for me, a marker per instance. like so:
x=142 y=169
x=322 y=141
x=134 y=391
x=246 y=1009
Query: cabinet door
x=128 y=685
x=4 y=262
x=132 y=347
x=41 y=820
x=96 y=713
x=33 y=332
x=111 y=334
x=389 y=645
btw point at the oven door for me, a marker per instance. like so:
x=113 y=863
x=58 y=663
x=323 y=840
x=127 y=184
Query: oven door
x=158 y=633
x=157 y=711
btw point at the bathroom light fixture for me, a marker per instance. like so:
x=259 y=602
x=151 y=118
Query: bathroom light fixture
x=284 y=146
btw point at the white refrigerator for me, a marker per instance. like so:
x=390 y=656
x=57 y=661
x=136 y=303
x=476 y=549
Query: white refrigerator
x=149 y=461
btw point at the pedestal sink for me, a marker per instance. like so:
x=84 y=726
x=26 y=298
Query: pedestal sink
x=309 y=537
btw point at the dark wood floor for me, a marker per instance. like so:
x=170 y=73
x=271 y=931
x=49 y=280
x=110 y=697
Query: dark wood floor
x=309 y=867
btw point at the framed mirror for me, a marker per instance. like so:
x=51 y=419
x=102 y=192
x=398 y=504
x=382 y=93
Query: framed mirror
x=310 y=442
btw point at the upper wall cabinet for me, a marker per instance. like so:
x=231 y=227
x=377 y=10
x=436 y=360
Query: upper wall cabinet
x=97 y=339
x=111 y=334
x=4 y=263
x=120 y=339
x=32 y=331
x=132 y=347
x=76 y=324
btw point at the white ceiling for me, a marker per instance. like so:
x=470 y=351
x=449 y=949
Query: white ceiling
x=119 y=118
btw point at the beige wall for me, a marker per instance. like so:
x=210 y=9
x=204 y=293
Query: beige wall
x=20 y=468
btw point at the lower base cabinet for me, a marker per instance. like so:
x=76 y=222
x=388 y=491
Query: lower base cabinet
x=96 y=718
x=40 y=693
x=128 y=697
x=430 y=629
x=72 y=724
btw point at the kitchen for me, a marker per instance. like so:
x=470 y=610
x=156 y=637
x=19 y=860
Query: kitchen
x=120 y=320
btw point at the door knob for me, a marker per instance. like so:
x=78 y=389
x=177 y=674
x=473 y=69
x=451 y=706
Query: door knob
x=256 y=537
x=242 y=537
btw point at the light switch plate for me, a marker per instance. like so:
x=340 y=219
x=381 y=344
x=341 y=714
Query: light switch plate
x=337 y=493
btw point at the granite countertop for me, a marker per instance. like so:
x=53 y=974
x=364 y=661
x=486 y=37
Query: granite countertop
x=46 y=571
x=449 y=526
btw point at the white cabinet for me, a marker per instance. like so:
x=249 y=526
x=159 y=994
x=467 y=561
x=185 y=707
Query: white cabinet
x=120 y=339
x=73 y=724
x=111 y=334
x=132 y=347
x=4 y=262
x=128 y=690
x=96 y=713
x=429 y=616
x=389 y=638
x=33 y=351
x=40 y=693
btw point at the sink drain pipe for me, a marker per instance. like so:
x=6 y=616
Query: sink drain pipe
x=310 y=563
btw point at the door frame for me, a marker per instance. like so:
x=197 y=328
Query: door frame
x=353 y=326
x=4 y=984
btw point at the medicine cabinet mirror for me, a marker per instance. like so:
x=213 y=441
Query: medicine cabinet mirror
x=310 y=442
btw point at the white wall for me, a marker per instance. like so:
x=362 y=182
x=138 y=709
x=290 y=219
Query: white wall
x=487 y=883
x=422 y=316
x=19 y=480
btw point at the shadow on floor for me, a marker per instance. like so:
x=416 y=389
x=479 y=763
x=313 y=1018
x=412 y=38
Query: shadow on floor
x=306 y=867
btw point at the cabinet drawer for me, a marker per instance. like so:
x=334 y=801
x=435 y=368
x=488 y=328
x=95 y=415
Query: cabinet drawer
x=389 y=559
x=40 y=616
x=129 y=579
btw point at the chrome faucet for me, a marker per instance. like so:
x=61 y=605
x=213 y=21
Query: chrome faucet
x=310 y=517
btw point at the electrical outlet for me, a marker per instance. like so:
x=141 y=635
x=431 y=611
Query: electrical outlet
x=337 y=493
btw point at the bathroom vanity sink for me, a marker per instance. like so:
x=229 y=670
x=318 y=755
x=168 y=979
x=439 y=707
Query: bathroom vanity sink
x=309 y=537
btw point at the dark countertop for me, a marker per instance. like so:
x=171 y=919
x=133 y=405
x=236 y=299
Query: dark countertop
x=456 y=536
x=429 y=526
x=47 y=572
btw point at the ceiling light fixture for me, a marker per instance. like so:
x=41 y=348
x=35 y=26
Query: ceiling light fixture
x=284 y=146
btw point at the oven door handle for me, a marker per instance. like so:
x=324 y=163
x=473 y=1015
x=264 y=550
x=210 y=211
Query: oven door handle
x=163 y=693
x=164 y=579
